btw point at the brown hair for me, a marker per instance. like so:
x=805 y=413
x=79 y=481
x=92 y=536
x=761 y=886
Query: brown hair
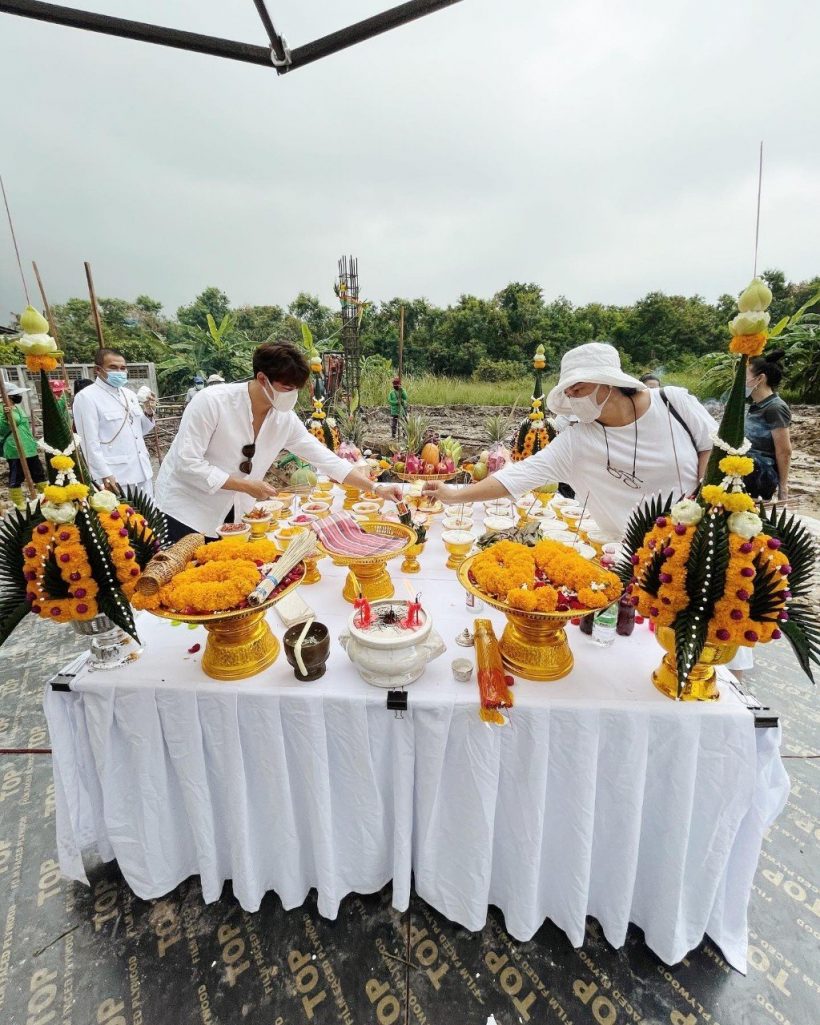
x=769 y=366
x=100 y=354
x=281 y=363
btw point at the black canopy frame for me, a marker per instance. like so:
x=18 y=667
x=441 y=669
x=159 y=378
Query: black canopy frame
x=276 y=54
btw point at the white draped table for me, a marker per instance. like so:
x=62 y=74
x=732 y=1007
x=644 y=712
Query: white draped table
x=601 y=797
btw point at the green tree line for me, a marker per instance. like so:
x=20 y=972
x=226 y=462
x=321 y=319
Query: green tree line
x=488 y=339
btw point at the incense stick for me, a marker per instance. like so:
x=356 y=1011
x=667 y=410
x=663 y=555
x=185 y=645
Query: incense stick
x=759 y=191
x=581 y=517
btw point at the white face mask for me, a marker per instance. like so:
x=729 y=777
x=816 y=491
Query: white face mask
x=280 y=401
x=586 y=408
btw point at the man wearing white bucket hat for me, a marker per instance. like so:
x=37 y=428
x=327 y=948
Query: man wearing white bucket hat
x=630 y=442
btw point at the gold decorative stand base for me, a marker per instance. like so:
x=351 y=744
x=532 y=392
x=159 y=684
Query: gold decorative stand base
x=535 y=649
x=374 y=581
x=312 y=574
x=411 y=562
x=239 y=647
x=702 y=682
x=352 y=496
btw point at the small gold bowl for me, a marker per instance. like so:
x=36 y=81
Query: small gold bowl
x=320 y=509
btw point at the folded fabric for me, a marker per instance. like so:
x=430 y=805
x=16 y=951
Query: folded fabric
x=342 y=535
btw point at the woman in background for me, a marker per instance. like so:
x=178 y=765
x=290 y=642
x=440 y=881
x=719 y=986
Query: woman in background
x=767 y=427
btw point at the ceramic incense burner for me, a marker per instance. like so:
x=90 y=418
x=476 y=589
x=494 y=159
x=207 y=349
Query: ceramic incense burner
x=387 y=653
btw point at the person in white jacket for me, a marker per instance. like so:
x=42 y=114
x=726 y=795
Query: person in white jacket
x=229 y=437
x=111 y=424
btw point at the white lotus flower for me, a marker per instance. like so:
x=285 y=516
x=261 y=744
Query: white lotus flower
x=103 y=501
x=62 y=512
x=687 y=511
x=756 y=297
x=745 y=524
x=749 y=323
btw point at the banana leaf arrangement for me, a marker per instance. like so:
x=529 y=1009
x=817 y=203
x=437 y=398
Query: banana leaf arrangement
x=719 y=569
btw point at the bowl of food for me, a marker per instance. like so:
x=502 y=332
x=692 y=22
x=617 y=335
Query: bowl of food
x=259 y=521
x=366 y=509
x=273 y=507
x=237 y=531
x=286 y=534
x=303 y=519
x=456 y=522
x=318 y=509
x=286 y=498
x=494 y=524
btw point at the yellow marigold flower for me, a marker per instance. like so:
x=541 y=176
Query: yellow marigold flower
x=738 y=501
x=736 y=466
x=76 y=491
x=62 y=462
x=55 y=494
x=712 y=494
x=37 y=363
x=749 y=345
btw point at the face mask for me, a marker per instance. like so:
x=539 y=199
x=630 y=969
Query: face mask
x=586 y=408
x=281 y=401
x=199 y=387
x=117 y=378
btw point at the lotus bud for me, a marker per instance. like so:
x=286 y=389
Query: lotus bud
x=751 y=323
x=756 y=297
x=32 y=322
x=103 y=501
x=745 y=524
x=687 y=512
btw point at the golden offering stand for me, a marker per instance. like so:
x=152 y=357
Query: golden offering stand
x=240 y=643
x=534 y=645
x=410 y=563
x=702 y=682
x=371 y=571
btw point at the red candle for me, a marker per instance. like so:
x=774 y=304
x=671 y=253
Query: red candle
x=365 y=614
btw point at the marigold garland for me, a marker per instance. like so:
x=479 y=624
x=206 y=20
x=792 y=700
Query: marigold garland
x=212 y=587
x=119 y=525
x=63 y=541
x=259 y=551
x=544 y=578
x=732 y=501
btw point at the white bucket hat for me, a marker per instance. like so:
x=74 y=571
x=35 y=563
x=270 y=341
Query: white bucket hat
x=14 y=389
x=215 y=379
x=596 y=363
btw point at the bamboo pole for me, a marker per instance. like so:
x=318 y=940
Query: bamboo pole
x=52 y=326
x=94 y=308
x=9 y=410
x=401 y=341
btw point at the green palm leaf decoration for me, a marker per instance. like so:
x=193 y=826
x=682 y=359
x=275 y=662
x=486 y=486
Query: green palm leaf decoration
x=705 y=582
x=802 y=631
x=155 y=519
x=111 y=600
x=15 y=530
x=651 y=580
x=640 y=523
x=800 y=544
x=57 y=431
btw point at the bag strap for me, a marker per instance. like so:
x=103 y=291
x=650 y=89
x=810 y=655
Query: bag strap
x=678 y=417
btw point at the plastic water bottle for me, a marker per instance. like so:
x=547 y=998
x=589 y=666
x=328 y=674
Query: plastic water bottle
x=603 y=627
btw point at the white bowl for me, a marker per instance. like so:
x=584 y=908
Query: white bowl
x=494 y=524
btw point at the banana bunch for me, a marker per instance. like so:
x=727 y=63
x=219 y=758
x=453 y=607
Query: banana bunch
x=451 y=448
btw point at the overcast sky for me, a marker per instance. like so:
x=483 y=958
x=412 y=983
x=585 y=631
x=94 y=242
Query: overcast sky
x=602 y=150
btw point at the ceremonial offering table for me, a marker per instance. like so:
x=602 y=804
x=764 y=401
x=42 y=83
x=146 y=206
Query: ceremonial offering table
x=601 y=797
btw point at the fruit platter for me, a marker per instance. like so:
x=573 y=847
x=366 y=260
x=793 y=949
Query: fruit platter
x=365 y=548
x=539 y=589
x=215 y=589
x=426 y=456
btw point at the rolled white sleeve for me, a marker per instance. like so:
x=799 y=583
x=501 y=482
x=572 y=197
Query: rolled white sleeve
x=551 y=465
x=302 y=443
x=199 y=421
x=87 y=422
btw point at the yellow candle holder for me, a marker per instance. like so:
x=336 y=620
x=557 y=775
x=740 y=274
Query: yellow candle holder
x=259 y=527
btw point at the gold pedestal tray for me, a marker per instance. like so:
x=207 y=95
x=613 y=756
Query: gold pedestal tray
x=534 y=645
x=371 y=571
x=702 y=682
x=240 y=643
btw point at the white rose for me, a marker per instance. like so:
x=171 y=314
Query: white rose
x=687 y=512
x=752 y=323
x=745 y=524
x=103 y=501
x=62 y=513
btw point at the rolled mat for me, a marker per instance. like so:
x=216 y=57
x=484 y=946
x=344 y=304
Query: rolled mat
x=168 y=563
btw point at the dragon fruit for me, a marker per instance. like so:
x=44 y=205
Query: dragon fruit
x=347 y=450
x=412 y=464
x=498 y=456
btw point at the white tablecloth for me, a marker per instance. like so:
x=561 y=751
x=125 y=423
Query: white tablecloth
x=601 y=798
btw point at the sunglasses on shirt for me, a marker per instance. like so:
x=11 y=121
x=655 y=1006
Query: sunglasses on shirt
x=248 y=451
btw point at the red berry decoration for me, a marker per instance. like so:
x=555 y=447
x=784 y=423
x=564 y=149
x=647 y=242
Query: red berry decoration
x=680 y=529
x=774 y=543
x=135 y=571
x=115 y=515
x=123 y=532
x=31 y=574
x=80 y=592
x=64 y=535
x=736 y=614
x=42 y=529
x=751 y=635
x=660 y=521
x=55 y=611
x=128 y=554
x=743 y=594
x=65 y=557
x=29 y=551
x=747 y=571
x=194 y=649
x=74 y=576
x=82 y=608
x=36 y=608
x=776 y=634
x=723 y=635
x=747 y=547
x=785 y=570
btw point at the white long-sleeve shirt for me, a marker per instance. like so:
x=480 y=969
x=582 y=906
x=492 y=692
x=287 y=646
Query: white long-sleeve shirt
x=666 y=461
x=216 y=425
x=111 y=426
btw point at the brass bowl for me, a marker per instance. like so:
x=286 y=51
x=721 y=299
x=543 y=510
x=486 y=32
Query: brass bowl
x=240 y=643
x=371 y=571
x=702 y=682
x=534 y=644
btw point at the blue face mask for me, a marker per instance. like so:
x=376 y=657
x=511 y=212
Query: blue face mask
x=117 y=378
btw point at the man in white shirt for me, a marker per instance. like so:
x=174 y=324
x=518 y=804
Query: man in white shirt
x=229 y=437
x=112 y=425
x=629 y=443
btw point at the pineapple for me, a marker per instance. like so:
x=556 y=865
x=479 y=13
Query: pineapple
x=498 y=428
x=416 y=429
x=534 y=432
